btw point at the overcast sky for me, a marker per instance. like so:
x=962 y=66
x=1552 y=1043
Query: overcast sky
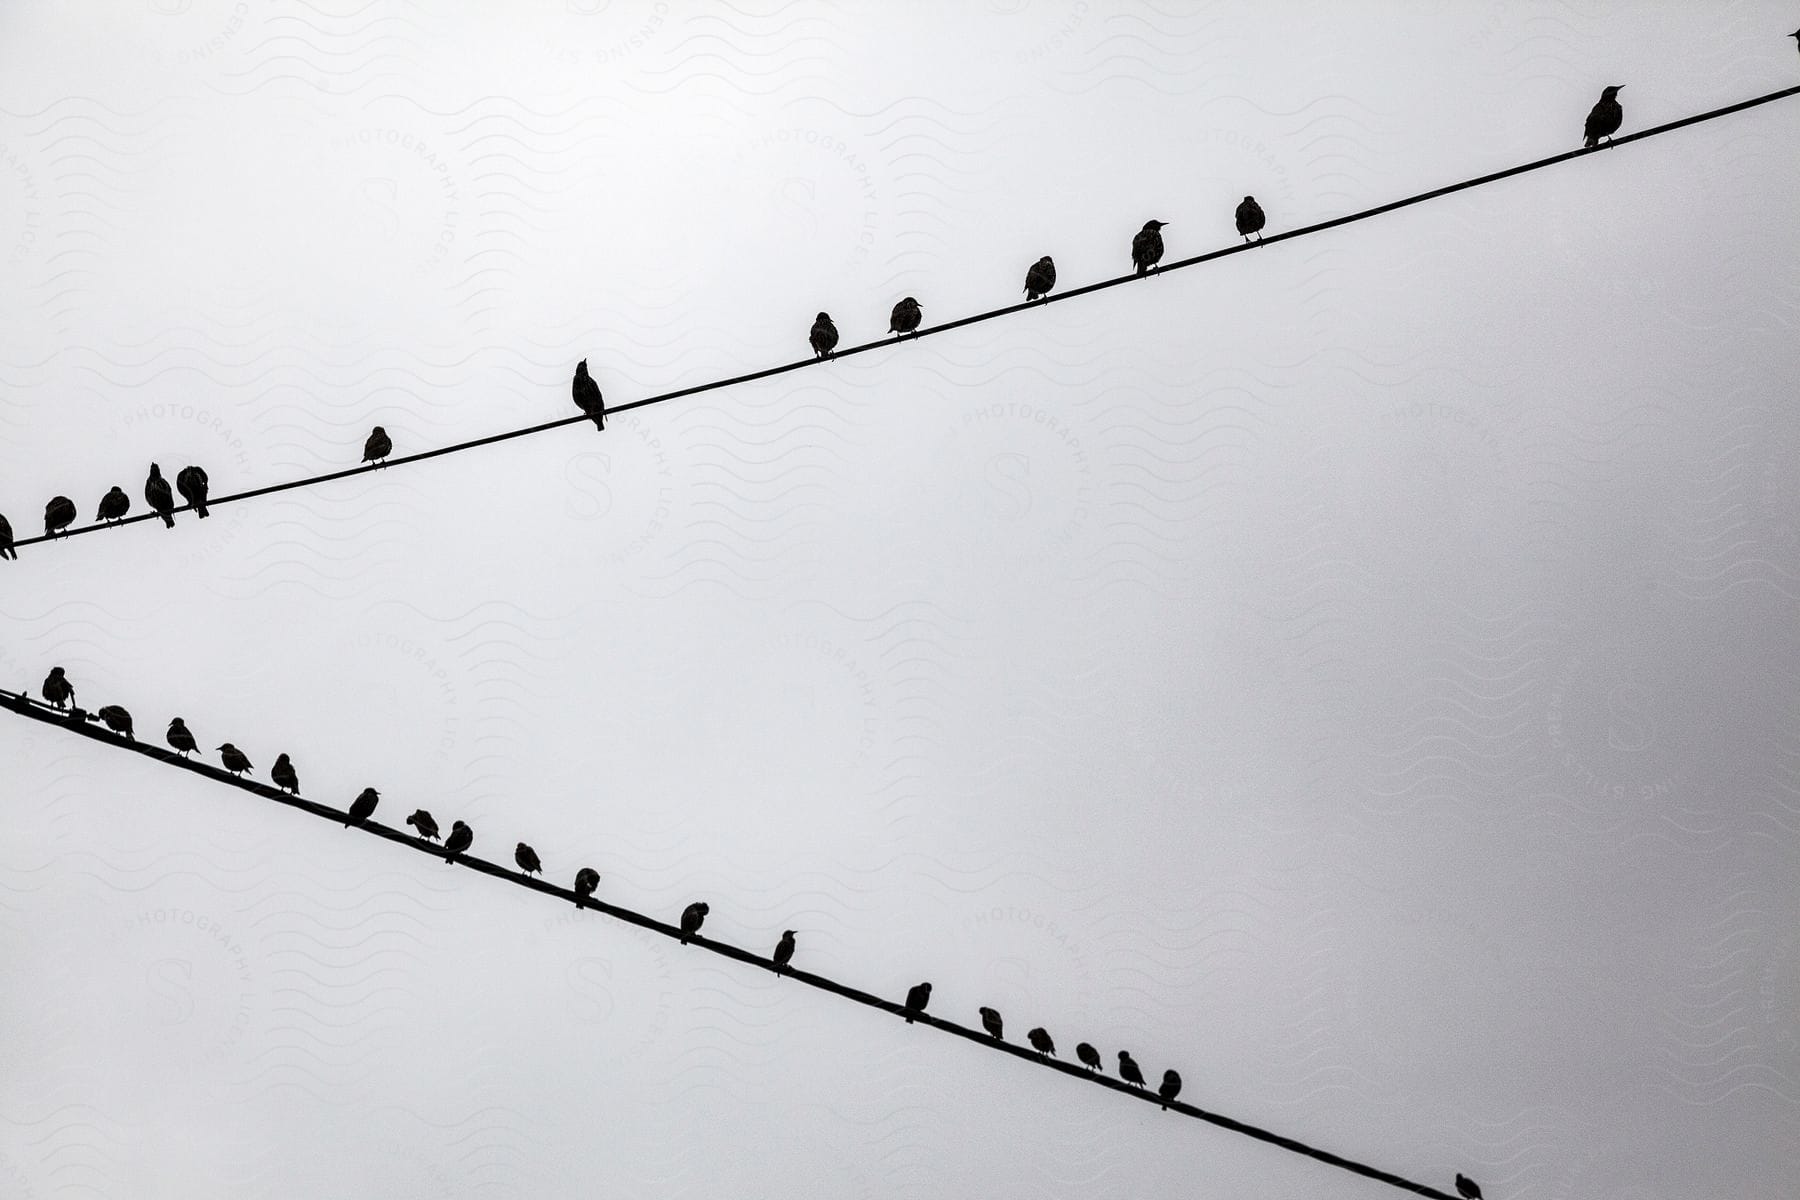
x=1359 y=674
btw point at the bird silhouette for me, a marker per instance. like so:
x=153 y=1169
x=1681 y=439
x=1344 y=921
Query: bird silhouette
x=58 y=514
x=179 y=737
x=363 y=807
x=160 y=496
x=1040 y=1041
x=1147 y=246
x=191 y=482
x=113 y=505
x=692 y=917
x=57 y=688
x=1090 y=1057
x=587 y=395
x=784 y=951
x=824 y=336
x=527 y=859
x=378 y=447
x=117 y=720
x=1250 y=218
x=1605 y=118
x=1128 y=1069
x=1171 y=1086
x=424 y=823
x=1040 y=279
x=284 y=775
x=1467 y=1188
x=586 y=880
x=906 y=317
x=234 y=759
x=460 y=839
x=990 y=1021
x=6 y=539
x=916 y=1000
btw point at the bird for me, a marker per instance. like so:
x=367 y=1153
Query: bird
x=461 y=837
x=191 y=482
x=1171 y=1086
x=916 y=1000
x=58 y=514
x=906 y=317
x=527 y=859
x=1606 y=117
x=824 y=336
x=117 y=720
x=234 y=759
x=113 y=505
x=692 y=917
x=179 y=737
x=1467 y=1188
x=1090 y=1057
x=159 y=496
x=784 y=951
x=1250 y=218
x=587 y=395
x=1040 y=279
x=378 y=447
x=6 y=539
x=586 y=880
x=990 y=1021
x=1147 y=246
x=1040 y=1041
x=284 y=775
x=362 y=808
x=57 y=688
x=424 y=823
x=1128 y=1069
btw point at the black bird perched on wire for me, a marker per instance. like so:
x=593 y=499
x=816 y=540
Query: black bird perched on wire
x=692 y=917
x=1147 y=246
x=6 y=539
x=1606 y=117
x=191 y=482
x=916 y=1000
x=378 y=447
x=1128 y=1069
x=824 y=336
x=1090 y=1057
x=234 y=759
x=586 y=880
x=179 y=737
x=1171 y=1086
x=117 y=720
x=1250 y=218
x=1467 y=1188
x=1040 y=279
x=527 y=859
x=906 y=317
x=58 y=514
x=362 y=808
x=990 y=1021
x=57 y=688
x=587 y=395
x=284 y=775
x=424 y=823
x=460 y=839
x=113 y=505
x=1040 y=1041
x=784 y=951
x=160 y=496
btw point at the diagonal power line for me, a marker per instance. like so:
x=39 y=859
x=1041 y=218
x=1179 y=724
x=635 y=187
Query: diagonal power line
x=78 y=721
x=1070 y=294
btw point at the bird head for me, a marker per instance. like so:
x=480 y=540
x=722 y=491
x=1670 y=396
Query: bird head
x=1153 y=226
x=372 y=793
x=380 y=430
x=1795 y=34
x=824 y=316
x=458 y=825
x=155 y=470
x=581 y=367
x=1249 y=199
x=911 y=301
x=787 y=933
x=1611 y=91
x=56 y=672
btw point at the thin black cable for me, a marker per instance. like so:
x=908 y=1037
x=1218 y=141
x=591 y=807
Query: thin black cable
x=24 y=705
x=1070 y=294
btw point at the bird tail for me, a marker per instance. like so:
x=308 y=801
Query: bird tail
x=1591 y=142
x=168 y=519
x=9 y=552
x=200 y=507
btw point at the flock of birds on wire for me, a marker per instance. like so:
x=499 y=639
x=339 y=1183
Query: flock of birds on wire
x=1146 y=252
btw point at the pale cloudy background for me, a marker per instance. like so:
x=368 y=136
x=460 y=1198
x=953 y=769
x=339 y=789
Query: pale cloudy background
x=1360 y=674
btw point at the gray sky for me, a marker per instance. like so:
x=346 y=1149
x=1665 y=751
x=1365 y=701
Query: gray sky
x=1359 y=675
